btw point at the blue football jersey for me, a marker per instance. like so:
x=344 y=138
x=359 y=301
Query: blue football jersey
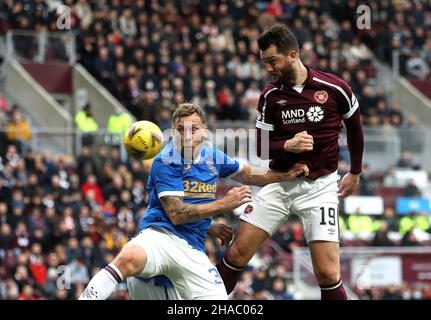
x=196 y=181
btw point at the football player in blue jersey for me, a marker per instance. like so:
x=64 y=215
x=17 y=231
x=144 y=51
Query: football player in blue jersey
x=182 y=190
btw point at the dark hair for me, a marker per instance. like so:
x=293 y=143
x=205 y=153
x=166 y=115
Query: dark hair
x=280 y=36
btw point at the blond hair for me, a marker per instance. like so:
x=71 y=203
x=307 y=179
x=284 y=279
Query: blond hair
x=187 y=109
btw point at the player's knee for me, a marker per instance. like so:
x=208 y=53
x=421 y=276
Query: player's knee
x=127 y=264
x=238 y=254
x=327 y=276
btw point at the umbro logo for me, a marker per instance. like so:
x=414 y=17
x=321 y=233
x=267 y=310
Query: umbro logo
x=331 y=231
x=281 y=103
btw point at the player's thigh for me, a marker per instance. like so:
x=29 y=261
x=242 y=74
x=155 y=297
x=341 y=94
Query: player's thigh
x=247 y=240
x=195 y=277
x=317 y=207
x=156 y=244
x=142 y=290
x=268 y=208
x=320 y=222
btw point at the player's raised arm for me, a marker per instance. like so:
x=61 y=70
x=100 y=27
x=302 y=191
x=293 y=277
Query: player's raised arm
x=261 y=177
x=180 y=212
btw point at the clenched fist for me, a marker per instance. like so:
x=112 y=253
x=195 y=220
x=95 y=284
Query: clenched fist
x=301 y=142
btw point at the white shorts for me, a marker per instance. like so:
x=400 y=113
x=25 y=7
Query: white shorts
x=142 y=290
x=314 y=202
x=190 y=270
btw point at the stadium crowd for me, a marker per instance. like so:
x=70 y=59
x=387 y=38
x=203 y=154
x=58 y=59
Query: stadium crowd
x=397 y=26
x=151 y=55
x=62 y=211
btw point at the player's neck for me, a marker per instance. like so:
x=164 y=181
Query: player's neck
x=301 y=74
x=192 y=155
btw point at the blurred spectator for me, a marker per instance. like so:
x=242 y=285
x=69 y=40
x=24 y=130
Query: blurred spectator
x=117 y=124
x=6 y=239
x=366 y=185
x=391 y=293
x=389 y=179
x=85 y=13
x=86 y=125
x=405 y=160
x=407 y=222
x=360 y=225
x=416 y=66
x=279 y=291
x=91 y=185
x=381 y=238
x=261 y=282
x=423 y=222
x=290 y=236
x=27 y=293
x=411 y=190
x=4 y=104
x=391 y=219
x=19 y=132
x=127 y=23
x=78 y=271
x=86 y=164
x=409 y=239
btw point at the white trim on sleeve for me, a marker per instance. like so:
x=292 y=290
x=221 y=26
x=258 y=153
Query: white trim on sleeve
x=264 y=126
x=265 y=103
x=170 y=193
x=351 y=111
x=240 y=167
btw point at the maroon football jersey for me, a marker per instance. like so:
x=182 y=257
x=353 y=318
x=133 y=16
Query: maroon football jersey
x=317 y=106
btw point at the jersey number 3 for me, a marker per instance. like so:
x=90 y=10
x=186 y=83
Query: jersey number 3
x=217 y=278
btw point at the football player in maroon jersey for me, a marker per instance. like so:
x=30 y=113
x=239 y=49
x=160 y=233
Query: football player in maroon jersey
x=300 y=112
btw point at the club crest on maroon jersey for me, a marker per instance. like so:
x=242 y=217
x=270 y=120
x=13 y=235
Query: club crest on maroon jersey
x=321 y=96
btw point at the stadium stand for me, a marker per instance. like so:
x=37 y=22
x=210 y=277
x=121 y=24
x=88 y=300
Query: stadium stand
x=79 y=211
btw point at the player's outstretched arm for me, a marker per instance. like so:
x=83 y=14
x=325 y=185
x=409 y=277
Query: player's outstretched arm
x=180 y=212
x=261 y=177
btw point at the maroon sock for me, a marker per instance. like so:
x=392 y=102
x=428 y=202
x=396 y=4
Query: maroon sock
x=333 y=291
x=229 y=273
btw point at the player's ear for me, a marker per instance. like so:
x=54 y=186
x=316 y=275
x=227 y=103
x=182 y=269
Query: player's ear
x=293 y=56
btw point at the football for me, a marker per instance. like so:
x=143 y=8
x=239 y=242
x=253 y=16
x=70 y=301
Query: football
x=143 y=140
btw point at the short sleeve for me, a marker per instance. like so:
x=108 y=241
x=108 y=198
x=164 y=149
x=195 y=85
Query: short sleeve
x=167 y=178
x=227 y=167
